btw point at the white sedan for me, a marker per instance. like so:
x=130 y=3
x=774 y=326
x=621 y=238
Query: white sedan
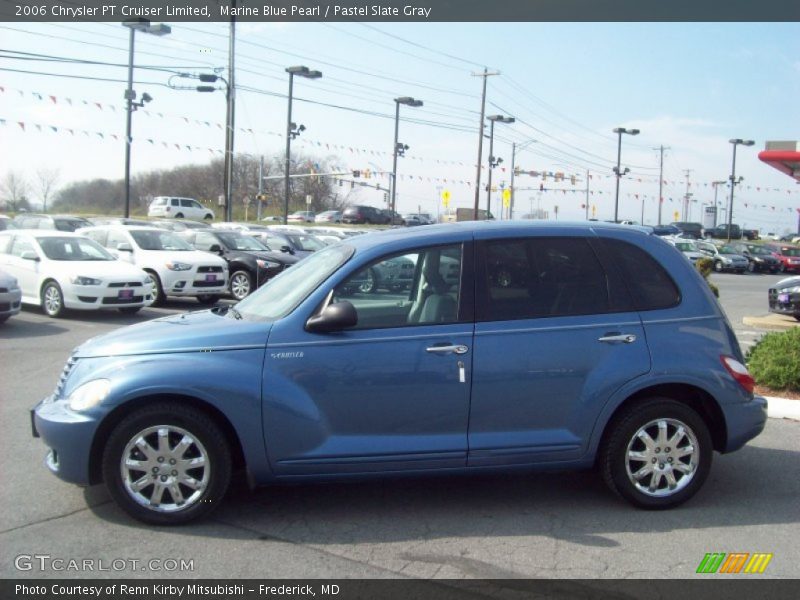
x=58 y=270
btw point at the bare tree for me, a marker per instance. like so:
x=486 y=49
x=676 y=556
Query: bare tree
x=14 y=191
x=46 y=180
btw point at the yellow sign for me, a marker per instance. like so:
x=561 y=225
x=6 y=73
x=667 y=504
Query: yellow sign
x=506 y=198
x=675 y=216
x=446 y=198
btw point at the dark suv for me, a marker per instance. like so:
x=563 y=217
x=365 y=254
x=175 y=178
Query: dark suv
x=250 y=263
x=693 y=229
x=362 y=214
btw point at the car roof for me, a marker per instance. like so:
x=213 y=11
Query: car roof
x=42 y=233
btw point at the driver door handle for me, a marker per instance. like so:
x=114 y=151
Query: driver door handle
x=616 y=338
x=454 y=349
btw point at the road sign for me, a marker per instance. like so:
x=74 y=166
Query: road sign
x=506 y=198
x=446 y=198
x=246 y=200
x=309 y=198
x=675 y=216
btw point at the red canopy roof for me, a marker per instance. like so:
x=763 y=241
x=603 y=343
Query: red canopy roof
x=784 y=156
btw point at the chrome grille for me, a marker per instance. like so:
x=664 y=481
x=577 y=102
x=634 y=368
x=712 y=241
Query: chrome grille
x=64 y=374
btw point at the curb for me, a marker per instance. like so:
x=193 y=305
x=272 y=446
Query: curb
x=772 y=322
x=782 y=408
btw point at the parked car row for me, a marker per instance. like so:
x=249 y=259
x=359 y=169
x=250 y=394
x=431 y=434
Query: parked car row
x=741 y=256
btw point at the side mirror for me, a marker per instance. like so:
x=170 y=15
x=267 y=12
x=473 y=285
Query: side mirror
x=287 y=249
x=124 y=247
x=30 y=255
x=216 y=248
x=335 y=317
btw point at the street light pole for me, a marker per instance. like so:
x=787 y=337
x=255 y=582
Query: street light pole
x=144 y=26
x=735 y=142
x=230 y=103
x=619 y=131
x=493 y=162
x=399 y=149
x=291 y=130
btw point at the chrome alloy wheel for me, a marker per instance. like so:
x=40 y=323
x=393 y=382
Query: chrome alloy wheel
x=52 y=300
x=240 y=285
x=165 y=468
x=662 y=457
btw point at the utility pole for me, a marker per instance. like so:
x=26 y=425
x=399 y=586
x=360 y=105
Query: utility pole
x=587 y=194
x=511 y=187
x=229 y=119
x=486 y=73
x=260 y=188
x=660 y=183
x=686 y=211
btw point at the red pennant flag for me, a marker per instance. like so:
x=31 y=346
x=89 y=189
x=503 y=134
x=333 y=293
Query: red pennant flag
x=98 y=105
x=21 y=124
x=53 y=98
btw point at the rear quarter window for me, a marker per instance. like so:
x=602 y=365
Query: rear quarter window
x=649 y=283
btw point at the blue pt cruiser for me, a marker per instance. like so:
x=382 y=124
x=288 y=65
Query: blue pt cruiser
x=514 y=345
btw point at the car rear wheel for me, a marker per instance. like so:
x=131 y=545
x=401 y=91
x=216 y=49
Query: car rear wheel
x=208 y=217
x=167 y=464
x=656 y=454
x=52 y=300
x=179 y=216
x=241 y=284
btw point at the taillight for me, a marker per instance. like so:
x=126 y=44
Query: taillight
x=739 y=372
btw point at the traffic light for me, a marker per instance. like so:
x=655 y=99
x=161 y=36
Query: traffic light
x=356 y=173
x=367 y=174
x=541 y=187
x=261 y=197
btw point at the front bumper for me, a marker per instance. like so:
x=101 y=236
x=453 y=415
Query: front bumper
x=745 y=421
x=194 y=283
x=68 y=436
x=784 y=303
x=108 y=295
x=10 y=302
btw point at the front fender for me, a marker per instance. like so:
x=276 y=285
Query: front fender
x=229 y=381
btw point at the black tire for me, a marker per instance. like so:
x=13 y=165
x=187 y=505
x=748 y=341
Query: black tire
x=208 y=299
x=52 y=300
x=208 y=217
x=751 y=267
x=240 y=285
x=179 y=216
x=369 y=286
x=622 y=432
x=208 y=441
x=158 y=289
x=130 y=310
x=718 y=266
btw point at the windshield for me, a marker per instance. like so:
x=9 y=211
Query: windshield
x=758 y=250
x=728 y=250
x=159 y=240
x=306 y=242
x=283 y=293
x=73 y=248
x=234 y=241
x=790 y=251
x=686 y=246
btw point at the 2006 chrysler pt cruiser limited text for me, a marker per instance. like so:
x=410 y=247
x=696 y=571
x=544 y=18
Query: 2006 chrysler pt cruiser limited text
x=512 y=346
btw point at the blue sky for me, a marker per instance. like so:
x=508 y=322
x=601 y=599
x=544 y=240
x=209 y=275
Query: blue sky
x=690 y=87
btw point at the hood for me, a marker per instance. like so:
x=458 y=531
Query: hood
x=789 y=282
x=110 y=270
x=283 y=258
x=205 y=330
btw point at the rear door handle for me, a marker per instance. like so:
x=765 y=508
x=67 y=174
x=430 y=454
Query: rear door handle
x=617 y=338
x=455 y=349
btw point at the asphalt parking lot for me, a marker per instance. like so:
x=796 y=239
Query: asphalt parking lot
x=536 y=526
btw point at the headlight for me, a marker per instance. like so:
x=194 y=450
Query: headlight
x=758 y=260
x=80 y=280
x=89 y=394
x=178 y=266
x=267 y=264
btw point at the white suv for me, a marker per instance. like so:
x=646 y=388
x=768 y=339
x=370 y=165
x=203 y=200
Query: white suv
x=179 y=208
x=174 y=267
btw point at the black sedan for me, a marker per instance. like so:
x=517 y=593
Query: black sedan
x=759 y=258
x=250 y=263
x=784 y=297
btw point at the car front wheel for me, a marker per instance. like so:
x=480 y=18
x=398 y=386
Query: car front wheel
x=167 y=464
x=241 y=285
x=657 y=454
x=52 y=300
x=718 y=267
